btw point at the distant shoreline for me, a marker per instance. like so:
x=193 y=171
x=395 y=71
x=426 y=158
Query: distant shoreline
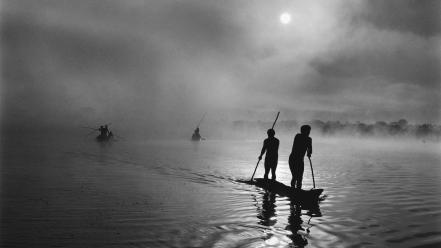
x=400 y=128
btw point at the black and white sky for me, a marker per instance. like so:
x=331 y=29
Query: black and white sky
x=151 y=62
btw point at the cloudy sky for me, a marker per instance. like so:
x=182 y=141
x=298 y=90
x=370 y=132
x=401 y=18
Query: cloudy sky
x=153 y=62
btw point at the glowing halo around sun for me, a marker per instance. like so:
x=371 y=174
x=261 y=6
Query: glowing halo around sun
x=285 y=18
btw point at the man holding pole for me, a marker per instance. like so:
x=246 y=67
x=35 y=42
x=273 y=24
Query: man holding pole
x=271 y=146
x=302 y=144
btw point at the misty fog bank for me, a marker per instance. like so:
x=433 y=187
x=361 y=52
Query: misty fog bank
x=394 y=129
x=213 y=129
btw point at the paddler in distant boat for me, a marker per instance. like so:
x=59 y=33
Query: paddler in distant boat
x=302 y=145
x=106 y=130
x=271 y=147
x=196 y=135
x=103 y=132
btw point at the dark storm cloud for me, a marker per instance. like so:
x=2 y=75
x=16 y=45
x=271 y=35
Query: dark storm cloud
x=421 y=17
x=396 y=64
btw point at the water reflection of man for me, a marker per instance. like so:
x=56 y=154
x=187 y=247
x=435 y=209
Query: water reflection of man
x=268 y=210
x=295 y=225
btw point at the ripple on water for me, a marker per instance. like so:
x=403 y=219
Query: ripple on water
x=178 y=195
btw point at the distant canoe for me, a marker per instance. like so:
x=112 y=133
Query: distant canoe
x=196 y=137
x=284 y=190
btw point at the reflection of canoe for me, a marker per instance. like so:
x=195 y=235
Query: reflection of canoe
x=284 y=190
x=104 y=138
x=196 y=137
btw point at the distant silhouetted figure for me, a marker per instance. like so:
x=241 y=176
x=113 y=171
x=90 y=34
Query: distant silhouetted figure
x=106 y=130
x=196 y=136
x=302 y=144
x=103 y=132
x=271 y=146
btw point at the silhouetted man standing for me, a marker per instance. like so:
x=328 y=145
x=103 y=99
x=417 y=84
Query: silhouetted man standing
x=302 y=144
x=103 y=132
x=271 y=146
x=106 y=130
x=196 y=135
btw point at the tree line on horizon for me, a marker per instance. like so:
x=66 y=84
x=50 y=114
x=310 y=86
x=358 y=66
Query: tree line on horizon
x=400 y=128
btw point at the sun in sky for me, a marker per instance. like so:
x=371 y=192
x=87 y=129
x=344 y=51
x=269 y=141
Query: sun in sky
x=285 y=18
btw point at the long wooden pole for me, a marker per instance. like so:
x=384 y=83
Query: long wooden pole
x=274 y=123
x=255 y=170
x=313 y=180
x=277 y=117
x=201 y=119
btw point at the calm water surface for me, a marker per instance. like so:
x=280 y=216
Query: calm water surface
x=184 y=194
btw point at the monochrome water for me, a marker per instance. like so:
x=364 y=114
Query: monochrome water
x=179 y=193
